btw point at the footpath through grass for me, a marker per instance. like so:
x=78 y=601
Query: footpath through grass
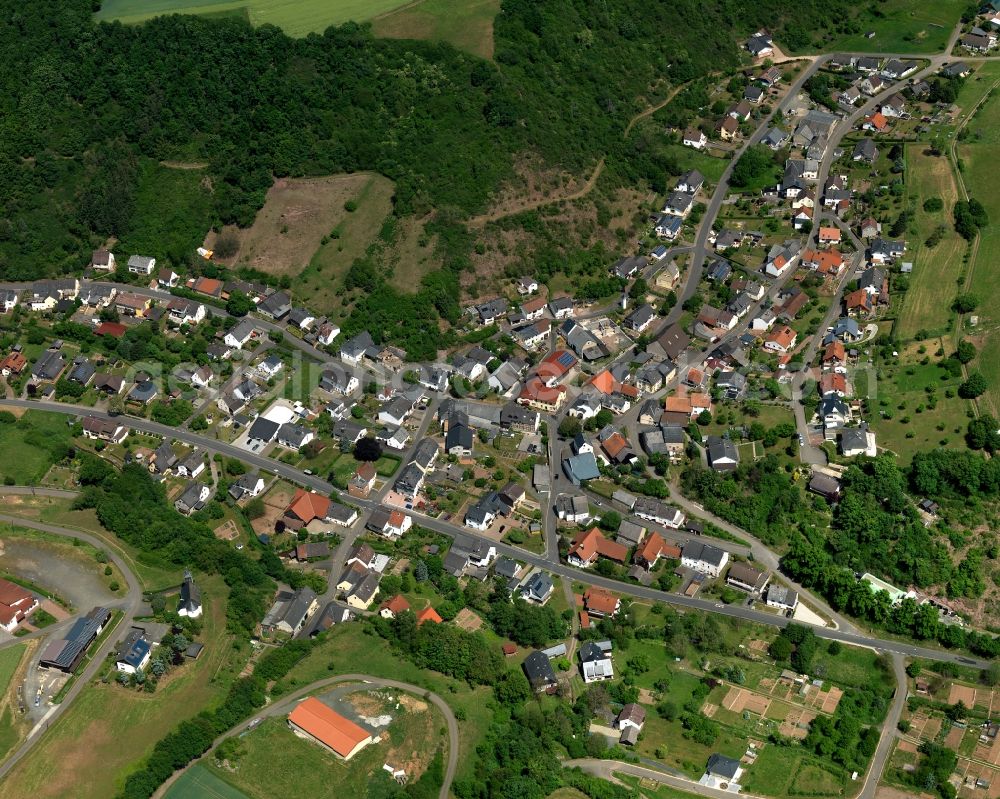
x=978 y=153
x=937 y=269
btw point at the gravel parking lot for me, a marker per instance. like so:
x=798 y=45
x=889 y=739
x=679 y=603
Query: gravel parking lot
x=59 y=568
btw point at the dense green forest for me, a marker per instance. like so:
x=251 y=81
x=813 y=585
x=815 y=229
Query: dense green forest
x=88 y=108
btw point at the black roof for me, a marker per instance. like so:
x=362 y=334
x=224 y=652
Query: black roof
x=723 y=766
x=263 y=429
x=538 y=670
x=190 y=594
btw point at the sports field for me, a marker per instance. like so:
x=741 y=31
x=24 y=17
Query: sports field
x=295 y=17
x=200 y=783
x=936 y=269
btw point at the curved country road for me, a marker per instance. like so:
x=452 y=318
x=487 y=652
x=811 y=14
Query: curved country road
x=283 y=704
x=128 y=606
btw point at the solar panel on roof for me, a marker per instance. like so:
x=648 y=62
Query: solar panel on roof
x=565 y=359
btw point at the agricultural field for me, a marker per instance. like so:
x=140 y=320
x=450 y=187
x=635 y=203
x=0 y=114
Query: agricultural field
x=295 y=17
x=200 y=782
x=108 y=729
x=299 y=214
x=937 y=269
x=272 y=762
x=903 y=27
x=466 y=24
x=977 y=153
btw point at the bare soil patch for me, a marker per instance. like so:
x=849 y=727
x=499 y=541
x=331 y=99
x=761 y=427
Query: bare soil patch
x=275 y=502
x=227 y=531
x=468 y=620
x=965 y=694
x=739 y=699
x=796 y=724
x=297 y=214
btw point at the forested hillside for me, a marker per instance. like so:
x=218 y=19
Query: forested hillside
x=85 y=105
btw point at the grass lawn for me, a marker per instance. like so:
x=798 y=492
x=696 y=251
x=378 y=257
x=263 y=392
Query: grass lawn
x=682 y=753
x=349 y=649
x=199 y=782
x=780 y=771
x=10 y=732
x=29 y=446
x=732 y=415
x=9 y=658
x=108 y=729
x=851 y=666
x=902 y=27
x=386 y=465
x=467 y=24
x=936 y=270
x=295 y=17
x=566 y=793
x=302 y=382
x=689 y=158
x=658 y=792
x=273 y=761
x=978 y=153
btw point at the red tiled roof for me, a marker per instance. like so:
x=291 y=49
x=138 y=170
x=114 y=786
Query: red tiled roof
x=15 y=362
x=603 y=382
x=13 y=594
x=833 y=381
x=783 y=336
x=397 y=604
x=651 y=548
x=834 y=351
x=536 y=391
x=115 y=329
x=325 y=725
x=589 y=544
x=428 y=614
x=396 y=518
x=598 y=600
x=858 y=299
x=209 y=286
x=307 y=506
x=614 y=445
